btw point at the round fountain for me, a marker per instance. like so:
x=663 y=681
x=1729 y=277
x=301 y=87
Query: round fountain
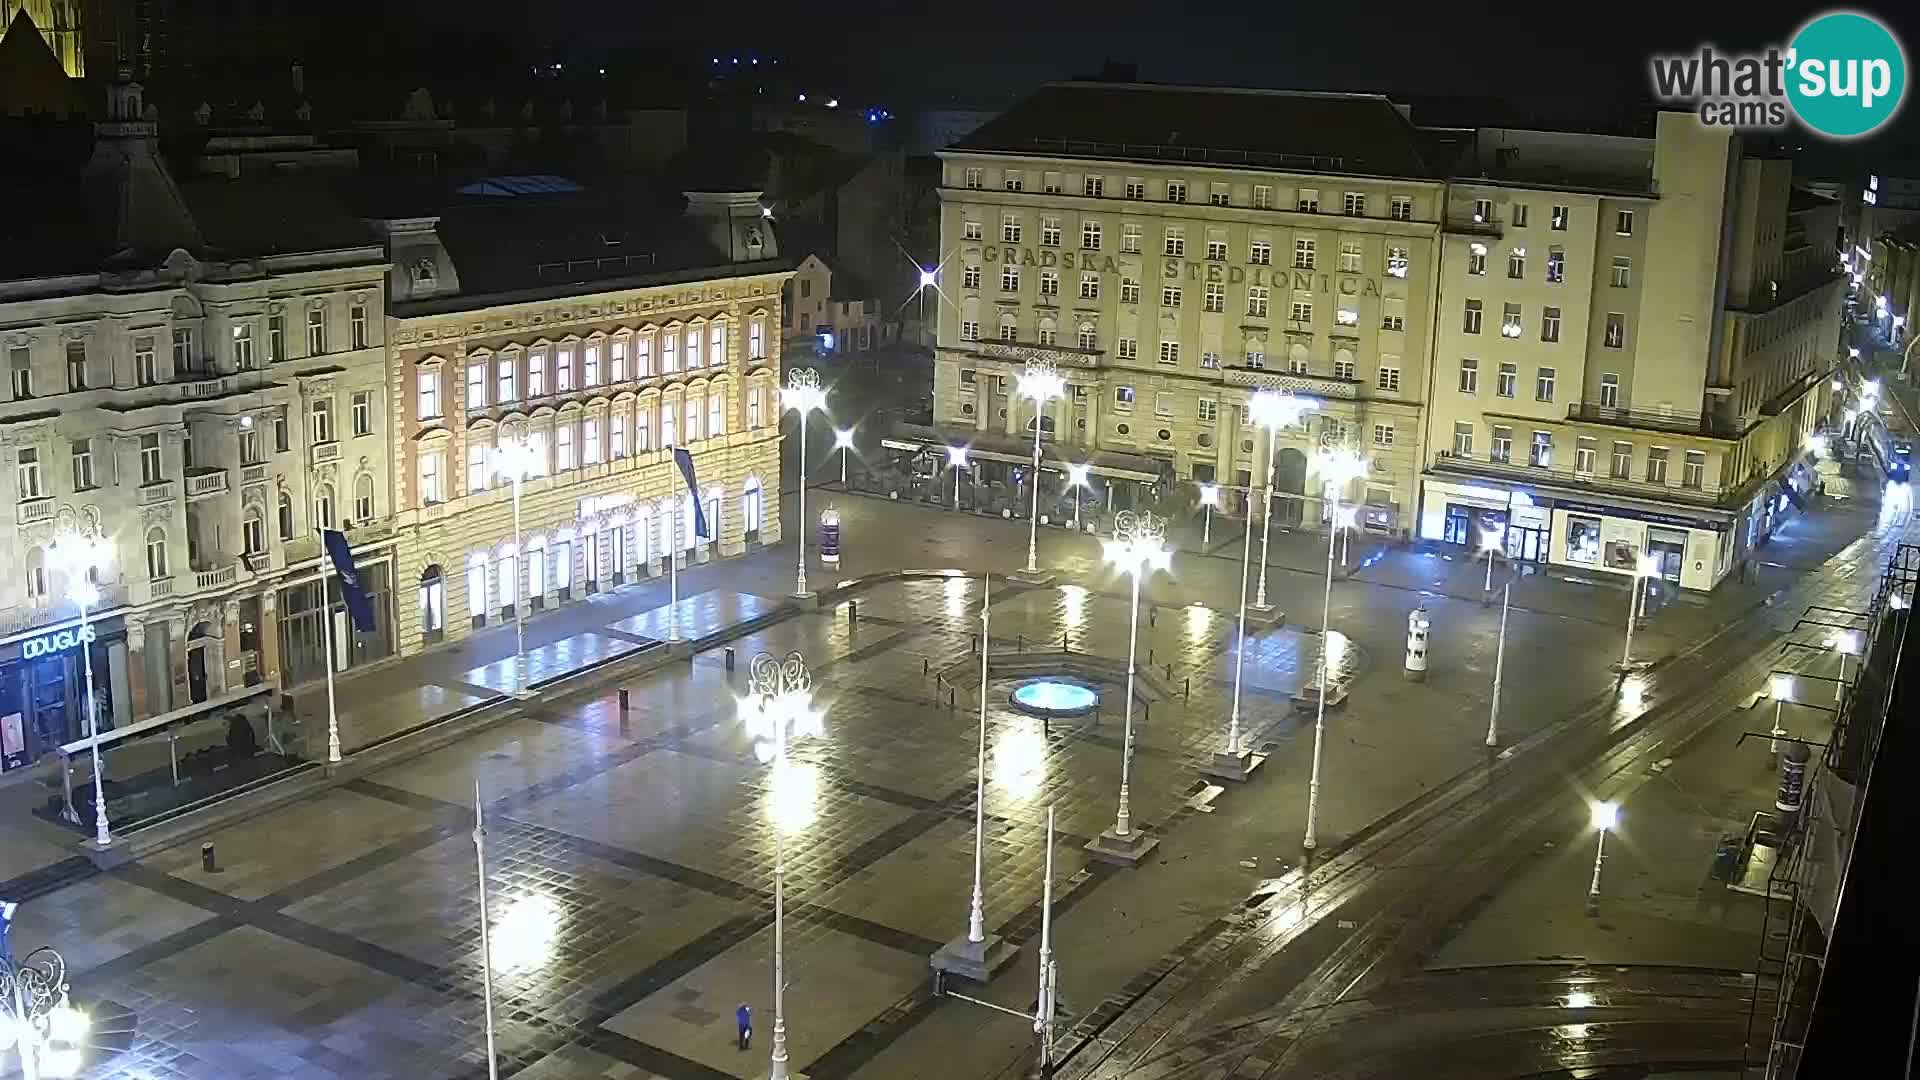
x=1055 y=698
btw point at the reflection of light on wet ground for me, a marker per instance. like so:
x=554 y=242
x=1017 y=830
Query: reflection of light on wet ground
x=1579 y=999
x=1020 y=758
x=956 y=597
x=523 y=936
x=1341 y=656
x=793 y=795
x=1073 y=606
x=1896 y=503
x=1199 y=621
x=1633 y=690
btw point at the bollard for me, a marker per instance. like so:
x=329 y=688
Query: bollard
x=1149 y=657
x=1019 y=643
x=1189 y=687
x=949 y=697
x=1169 y=672
x=1151 y=617
x=925 y=665
x=625 y=704
x=729 y=658
x=207 y=860
x=853 y=612
x=1063 y=642
x=973 y=642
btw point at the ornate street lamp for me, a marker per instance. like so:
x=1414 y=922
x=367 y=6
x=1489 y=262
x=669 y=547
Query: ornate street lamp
x=803 y=395
x=1338 y=468
x=1137 y=548
x=37 y=1019
x=80 y=559
x=517 y=460
x=1272 y=410
x=1077 y=479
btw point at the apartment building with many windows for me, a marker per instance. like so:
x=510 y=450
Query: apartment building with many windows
x=598 y=366
x=1173 y=250
x=195 y=375
x=1634 y=339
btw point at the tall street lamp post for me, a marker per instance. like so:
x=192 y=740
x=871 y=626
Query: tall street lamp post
x=1606 y=816
x=80 y=559
x=1645 y=567
x=1041 y=382
x=843 y=442
x=1209 y=498
x=36 y=1017
x=778 y=710
x=1338 y=468
x=1499 y=663
x=1077 y=480
x=803 y=395
x=1137 y=548
x=1272 y=410
x=1236 y=762
x=518 y=460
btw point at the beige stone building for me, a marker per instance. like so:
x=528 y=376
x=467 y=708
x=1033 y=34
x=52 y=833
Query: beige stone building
x=1635 y=337
x=673 y=342
x=1174 y=250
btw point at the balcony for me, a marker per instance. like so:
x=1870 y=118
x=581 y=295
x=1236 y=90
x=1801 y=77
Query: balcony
x=1020 y=354
x=202 y=482
x=1466 y=225
x=1703 y=424
x=34 y=511
x=161 y=491
x=160 y=588
x=325 y=452
x=1564 y=477
x=218 y=578
x=1312 y=385
x=254 y=474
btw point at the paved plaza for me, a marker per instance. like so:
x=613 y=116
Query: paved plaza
x=630 y=856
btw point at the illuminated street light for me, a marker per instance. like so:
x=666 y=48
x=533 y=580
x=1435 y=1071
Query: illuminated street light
x=1780 y=689
x=803 y=395
x=1137 y=549
x=956 y=460
x=843 y=442
x=1337 y=469
x=80 y=560
x=1644 y=567
x=1491 y=540
x=36 y=1016
x=1272 y=410
x=1346 y=519
x=1042 y=382
x=1846 y=643
x=1077 y=478
x=1605 y=817
x=518 y=460
x=928 y=277
x=778 y=710
x=1209 y=498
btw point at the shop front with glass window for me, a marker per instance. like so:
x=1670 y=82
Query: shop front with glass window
x=1693 y=553
x=303 y=636
x=43 y=688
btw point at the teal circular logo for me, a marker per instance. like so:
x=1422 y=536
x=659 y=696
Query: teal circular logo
x=1846 y=74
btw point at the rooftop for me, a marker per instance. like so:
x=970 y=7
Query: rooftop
x=1359 y=134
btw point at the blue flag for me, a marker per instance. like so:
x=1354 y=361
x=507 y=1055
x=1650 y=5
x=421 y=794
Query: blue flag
x=359 y=604
x=684 y=459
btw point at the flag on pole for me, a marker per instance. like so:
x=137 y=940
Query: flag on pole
x=683 y=458
x=359 y=604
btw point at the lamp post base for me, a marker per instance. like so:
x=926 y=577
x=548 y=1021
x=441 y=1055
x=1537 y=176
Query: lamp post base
x=1033 y=577
x=977 y=961
x=1235 y=767
x=1266 y=617
x=1128 y=850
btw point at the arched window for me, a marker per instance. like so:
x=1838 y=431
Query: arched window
x=157 y=554
x=37 y=574
x=253 y=531
x=323 y=506
x=363 y=498
x=286 y=516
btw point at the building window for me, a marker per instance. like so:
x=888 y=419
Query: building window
x=1540 y=454
x=590 y=365
x=757 y=337
x=285 y=515
x=1356 y=205
x=83 y=464
x=1470 y=320
x=1470 y=375
x=1401 y=208
x=183 y=358
x=1657 y=465
x=1089 y=339
x=1477 y=259
x=1219 y=195
x=1216 y=250
x=1208 y=410
x=1090 y=235
x=1622 y=461
x=1396 y=261
x=1163 y=404
x=282 y=433
x=537 y=370
x=1170 y=296
x=1616 y=336
x=617 y=359
x=323 y=506
x=563 y=446
x=563 y=361
x=1510 y=321
x=1303 y=254
x=1302 y=312
x=970 y=277
x=320 y=419
x=972 y=230
x=1169 y=352
x=1556 y=266
x=157 y=568
x=429 y=383
x=1622 y=271
x=1010 y=228
x=1257 y=359
x=477 y=384
x=276 y=338
x=1583 y=455
x=1210 y=361
x=146 y=363
x=1349 y=258
x=974 y=177
x=1129 y=291
x=150 y=467
x=1015 y=181
x=1093 y=187
x=476 y=467
x=1049 y=283
x=1559 y=223
x=1009 y=278
x=969 y=330
x=1517 y=263
x=1127 y=348
x=1391 y=321
x=1007 y=330
x=1257 y=300
x=1045 y=335
x=253 y=533
x=693 y=432
x=590 y=442
x=506 y=371
x=1609 y=390
x=1543 y=380
x=1089 y=286
x=362 y=412
x=1049 y=232
x=1388 y=379
x=1260 y=253
x=1175 y=242
x=28 y=474
x=20 y=364
x=643 y=425
x=1123 y=398
x=1507 y=381
x=1383 y=435
x=1550 y=324
x=1462 y=439
x=1343 y=369
x=316 y=331
x=1693 y=472
x=1050 y=183
x=1136 y=188
x=1177 y=191
x=1216 y=296
x=242 y=334
x=1623 y=223
x=1298 y=365
x=1130 y=239
x=363 y=498
x=1308 y=201
x=617 y=435
x=1482 y=211
x=357 y=322
x=1501 y=447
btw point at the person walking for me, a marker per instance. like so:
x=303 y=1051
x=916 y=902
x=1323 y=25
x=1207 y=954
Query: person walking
x=743 y=1016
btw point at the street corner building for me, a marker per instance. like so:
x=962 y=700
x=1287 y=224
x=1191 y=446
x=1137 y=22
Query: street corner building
x=513 y=324
x=207 y=370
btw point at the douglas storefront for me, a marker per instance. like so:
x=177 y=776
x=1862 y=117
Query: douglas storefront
x=43 y=687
